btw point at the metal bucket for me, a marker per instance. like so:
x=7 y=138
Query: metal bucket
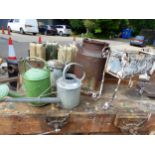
x=68 y=88
x=13 y=71
x=92 y=56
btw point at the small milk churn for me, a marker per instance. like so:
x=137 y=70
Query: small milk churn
x=56 y=69
x=69 y=87
x=92 y=55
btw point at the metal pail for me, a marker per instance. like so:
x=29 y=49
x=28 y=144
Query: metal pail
x=13 y=71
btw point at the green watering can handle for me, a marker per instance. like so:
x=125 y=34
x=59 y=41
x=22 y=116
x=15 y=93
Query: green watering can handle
x=36 y=58
x=25 y=63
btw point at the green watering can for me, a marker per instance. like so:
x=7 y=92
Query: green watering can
x=36 y=81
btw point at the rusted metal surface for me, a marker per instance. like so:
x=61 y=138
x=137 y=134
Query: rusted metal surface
x=131 y=123
x=122 y=65
x=90 y=55
x=149 y=89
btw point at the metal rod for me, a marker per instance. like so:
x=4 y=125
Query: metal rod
x=4 y=80
x=33 y=99
x=103 y=75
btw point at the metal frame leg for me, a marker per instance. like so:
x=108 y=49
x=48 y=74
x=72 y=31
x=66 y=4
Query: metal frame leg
x=108 y=104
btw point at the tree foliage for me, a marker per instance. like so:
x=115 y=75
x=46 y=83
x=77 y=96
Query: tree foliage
x=90 y=25
x=109 y=27
x=138 y=24
x=77 y=25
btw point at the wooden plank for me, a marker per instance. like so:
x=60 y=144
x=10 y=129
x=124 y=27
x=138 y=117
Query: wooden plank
x=76 y=124
x=88 y=118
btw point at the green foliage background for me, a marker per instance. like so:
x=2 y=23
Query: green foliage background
x=109 y=27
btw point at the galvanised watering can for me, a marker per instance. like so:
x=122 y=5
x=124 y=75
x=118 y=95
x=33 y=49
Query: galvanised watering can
x=69 y=87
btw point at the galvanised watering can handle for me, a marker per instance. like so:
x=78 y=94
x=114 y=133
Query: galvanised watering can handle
x=67 y=67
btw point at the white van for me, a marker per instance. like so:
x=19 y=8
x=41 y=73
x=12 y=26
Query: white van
x=23 y=25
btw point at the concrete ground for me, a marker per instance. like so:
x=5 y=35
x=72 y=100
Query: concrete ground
x=21 y=43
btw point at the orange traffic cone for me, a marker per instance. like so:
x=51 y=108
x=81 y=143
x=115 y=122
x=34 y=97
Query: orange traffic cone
x=40 y=40
x=11 y=51
x=9 y=31
x=3 y=30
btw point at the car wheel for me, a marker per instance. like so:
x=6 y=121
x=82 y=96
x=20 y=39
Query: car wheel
x=21 y=31
x=61 y=33
x=34 y=34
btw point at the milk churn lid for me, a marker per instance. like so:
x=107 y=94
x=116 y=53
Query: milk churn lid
x=4 y=90
x=36 y=74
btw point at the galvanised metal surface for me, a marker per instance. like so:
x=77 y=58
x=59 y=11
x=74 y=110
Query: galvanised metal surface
x=69 y=88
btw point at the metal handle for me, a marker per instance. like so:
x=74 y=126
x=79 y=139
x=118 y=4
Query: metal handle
x=36 y=58
x=57 y=123
x=67 y=68
x=131 y=122
x=12 y=68
x=24 y=63
x=104 y=52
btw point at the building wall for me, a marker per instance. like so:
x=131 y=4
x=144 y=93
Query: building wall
x=4 y=23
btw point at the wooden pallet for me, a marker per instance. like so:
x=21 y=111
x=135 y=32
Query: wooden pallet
x=130 y=114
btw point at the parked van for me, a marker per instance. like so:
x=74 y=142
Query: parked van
x=23 y=25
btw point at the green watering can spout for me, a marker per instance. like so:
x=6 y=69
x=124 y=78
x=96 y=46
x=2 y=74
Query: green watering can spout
x=5 y=91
